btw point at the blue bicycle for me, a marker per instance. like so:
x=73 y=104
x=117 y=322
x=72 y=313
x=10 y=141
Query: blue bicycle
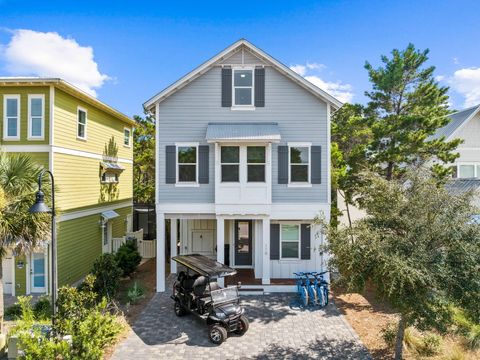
x=301 y=280
x=322 y=288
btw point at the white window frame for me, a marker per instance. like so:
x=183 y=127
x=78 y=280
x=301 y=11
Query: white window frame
x=5 y=121
x=30 y=122
x=185 y=183
x=307 y=183
x=475 y=172
x=79 y=108
x=107 y=173
x=129 y=137
x=264 y=165
x=244 y=106
x=238 y=164
x=299 y=241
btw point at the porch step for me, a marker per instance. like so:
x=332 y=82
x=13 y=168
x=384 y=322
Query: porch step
x=251 y=291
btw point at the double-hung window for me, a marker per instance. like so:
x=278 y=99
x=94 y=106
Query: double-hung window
x=230 y=163
x=256 y=163
x=243 y=87
x=187 y=159
x=467 y=171
x=36 y=117
x=126 y=137
x=290 y=241
x=81 y=124
x=299 y=164
x=11 y=120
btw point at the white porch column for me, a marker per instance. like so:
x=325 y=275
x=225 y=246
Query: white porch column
x=160 y=252
x=220 y=244
x=266 y=251
x=173 y=245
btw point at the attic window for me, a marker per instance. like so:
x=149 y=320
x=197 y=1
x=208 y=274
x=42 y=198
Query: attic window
x=243 y=87
x=110 y=172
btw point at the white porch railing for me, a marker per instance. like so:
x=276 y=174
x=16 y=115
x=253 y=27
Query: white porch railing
x=146 y=248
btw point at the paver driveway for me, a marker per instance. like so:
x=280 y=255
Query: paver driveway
x=276 y=332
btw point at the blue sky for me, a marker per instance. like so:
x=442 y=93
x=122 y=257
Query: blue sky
x=140 y=47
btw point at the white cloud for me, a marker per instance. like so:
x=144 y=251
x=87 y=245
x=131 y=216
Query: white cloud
x=47 y=54
x=341 y=91
x=299 y=69
x=467 y=83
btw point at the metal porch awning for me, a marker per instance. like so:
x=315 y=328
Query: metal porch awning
x=243 y=132
x=109 y=215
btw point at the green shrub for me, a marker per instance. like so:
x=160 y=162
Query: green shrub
x=74 y=304
x=389 y=334
x=128 y=257
x=467 y=328
x=42 y=309
x=35 y=346
x=107 y=275
x=431 y=345
x=96 y=331
x=90 y=323
x=473 y=337
x=13 y=312
x=135 y=293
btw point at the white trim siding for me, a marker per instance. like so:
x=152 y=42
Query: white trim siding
x=7 y=137
x=30 y=136
x=96 y=210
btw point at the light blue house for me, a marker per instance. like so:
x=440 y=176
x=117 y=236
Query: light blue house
x=243 y=166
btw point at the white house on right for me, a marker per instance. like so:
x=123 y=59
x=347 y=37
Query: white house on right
x=465 y=125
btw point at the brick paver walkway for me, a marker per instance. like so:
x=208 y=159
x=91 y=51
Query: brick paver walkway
x=276 y=332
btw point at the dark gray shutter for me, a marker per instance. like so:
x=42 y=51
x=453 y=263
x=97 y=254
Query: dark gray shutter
x=305 y=242
x=170 y=164
x=316 y=158
x=274 y=241
x=259 y=87
x=283 y=164
x=226 y=87
x=203 y=152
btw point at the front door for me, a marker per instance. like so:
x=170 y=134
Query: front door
x=243 y=243
x=38 y=271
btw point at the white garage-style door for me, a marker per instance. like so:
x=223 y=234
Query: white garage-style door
x=7 y=267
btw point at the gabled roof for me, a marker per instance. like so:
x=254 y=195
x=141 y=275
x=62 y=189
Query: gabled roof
x=68 y=88
x=242 y=43
x=457 y=120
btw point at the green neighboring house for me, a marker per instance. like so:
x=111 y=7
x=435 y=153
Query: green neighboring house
x=88 y=147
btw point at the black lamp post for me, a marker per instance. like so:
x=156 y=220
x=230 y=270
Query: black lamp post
x=41 y=207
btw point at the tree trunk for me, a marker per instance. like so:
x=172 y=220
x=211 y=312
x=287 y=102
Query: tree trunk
x=399 y=341
x=2 y=312
x=389 y=170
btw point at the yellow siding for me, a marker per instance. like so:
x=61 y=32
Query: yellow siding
x=41 y=158
x=100 y=127
x=78 y=250
x=24 y=91
x=78 y=181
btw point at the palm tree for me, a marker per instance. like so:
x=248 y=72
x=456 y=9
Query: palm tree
x=20 y=231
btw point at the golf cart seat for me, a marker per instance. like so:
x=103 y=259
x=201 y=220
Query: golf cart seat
x=200 y=286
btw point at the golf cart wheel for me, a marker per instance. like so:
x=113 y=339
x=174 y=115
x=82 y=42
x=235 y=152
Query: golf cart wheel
x=217 y=334
x=178 y=308
x=242 y=326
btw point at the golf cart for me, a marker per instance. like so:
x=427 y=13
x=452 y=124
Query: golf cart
x=196 y=291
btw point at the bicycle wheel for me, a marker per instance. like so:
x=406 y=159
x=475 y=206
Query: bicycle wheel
x=321 y=296
x=304 y=296
x=313 y=294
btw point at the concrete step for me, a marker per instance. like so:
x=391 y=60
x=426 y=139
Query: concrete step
x=251 y=291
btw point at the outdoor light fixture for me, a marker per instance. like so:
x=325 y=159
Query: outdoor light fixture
x=41 y=208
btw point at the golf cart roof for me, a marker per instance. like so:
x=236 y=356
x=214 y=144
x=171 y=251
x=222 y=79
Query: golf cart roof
x=204 y=265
